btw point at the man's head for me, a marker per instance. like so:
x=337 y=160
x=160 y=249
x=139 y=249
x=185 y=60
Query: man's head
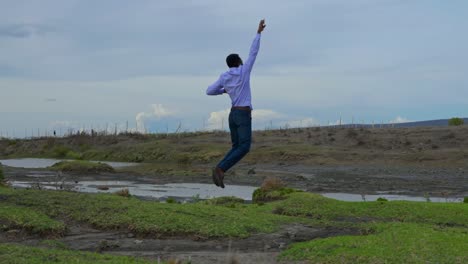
x=233 y=60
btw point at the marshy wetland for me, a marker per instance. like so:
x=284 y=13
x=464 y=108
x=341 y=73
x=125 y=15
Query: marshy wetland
x=171 y=211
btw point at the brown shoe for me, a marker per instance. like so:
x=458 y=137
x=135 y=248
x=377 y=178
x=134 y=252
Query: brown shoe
x=214 y=175
x=220 y=176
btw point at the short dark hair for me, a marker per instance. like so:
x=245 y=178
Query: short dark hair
x=233 y=60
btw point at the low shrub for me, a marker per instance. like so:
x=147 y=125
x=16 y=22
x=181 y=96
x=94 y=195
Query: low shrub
x=60 y=151
x=82 y=166
x=272 y=189
x=456 y=121
x=123 y=193
x=272 y=183
x=261 y=196
x=171 y=200
x=465 y=200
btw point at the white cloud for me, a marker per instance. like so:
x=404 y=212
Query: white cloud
x=261 y=118
x=306 y=122
x=158 y=111
x=262 y=115
x=400 y=119
x=218 y=120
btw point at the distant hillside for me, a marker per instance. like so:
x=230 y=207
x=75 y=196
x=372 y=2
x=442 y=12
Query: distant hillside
x=438 y=122
x=427 y=123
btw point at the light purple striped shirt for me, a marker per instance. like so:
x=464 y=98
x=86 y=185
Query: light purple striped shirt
x=236 y=81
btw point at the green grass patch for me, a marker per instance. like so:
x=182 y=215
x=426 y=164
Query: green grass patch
x=12 y=217
x=228 y=201
x=82 y=166
x=110 y=211
x=392 y=243
x=16 y=254
x=261 y=195
x=318 y=207
x=397 y=231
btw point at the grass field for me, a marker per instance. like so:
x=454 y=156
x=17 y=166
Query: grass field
x=108 y=211
x=17 y=254
x=390 y=243
x=391 y=232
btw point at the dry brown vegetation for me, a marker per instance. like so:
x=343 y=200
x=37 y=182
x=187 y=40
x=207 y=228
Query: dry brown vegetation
x=439 y=146
x=272 y=183
x=124 y=193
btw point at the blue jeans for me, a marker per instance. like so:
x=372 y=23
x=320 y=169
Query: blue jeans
x=240 y=125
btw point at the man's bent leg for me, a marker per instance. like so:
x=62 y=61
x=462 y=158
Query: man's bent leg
x=234 y=140
x=242 y=122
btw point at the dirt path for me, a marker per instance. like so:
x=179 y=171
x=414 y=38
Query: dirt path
x=259 y=248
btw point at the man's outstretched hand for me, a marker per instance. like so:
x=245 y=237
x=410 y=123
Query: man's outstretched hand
x=261 y=26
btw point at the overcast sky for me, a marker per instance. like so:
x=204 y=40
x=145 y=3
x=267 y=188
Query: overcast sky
x=67 y=63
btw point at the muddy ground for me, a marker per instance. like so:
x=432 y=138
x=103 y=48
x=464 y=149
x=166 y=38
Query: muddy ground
x=362 y=179
x=259 y=248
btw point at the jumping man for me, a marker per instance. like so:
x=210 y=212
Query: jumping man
x=236 y=83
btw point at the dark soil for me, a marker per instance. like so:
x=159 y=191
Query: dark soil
x=259 y=248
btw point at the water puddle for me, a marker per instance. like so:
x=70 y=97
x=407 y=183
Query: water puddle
x=31 y=163
x=181 y=191
x=350 y=197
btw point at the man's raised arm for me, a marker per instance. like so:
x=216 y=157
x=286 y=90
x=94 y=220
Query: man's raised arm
x=255 y=46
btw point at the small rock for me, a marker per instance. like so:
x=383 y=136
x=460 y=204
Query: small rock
x=138 y=241
x=130 y=235
x=251 y=171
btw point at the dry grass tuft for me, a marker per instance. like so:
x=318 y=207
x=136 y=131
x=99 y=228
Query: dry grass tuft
x=123 y=193
x=272 y=183
x=233 y=259
x=174 y=261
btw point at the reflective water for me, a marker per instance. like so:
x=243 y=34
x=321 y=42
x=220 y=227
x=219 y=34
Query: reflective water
x=181 y=190
x=350 y=197
x=44 y=163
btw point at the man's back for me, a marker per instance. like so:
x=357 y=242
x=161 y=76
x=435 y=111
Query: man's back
x=236 y=81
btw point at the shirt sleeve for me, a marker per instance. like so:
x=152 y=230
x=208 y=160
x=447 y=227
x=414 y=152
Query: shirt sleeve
x=253 y=53
x=216 y=88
